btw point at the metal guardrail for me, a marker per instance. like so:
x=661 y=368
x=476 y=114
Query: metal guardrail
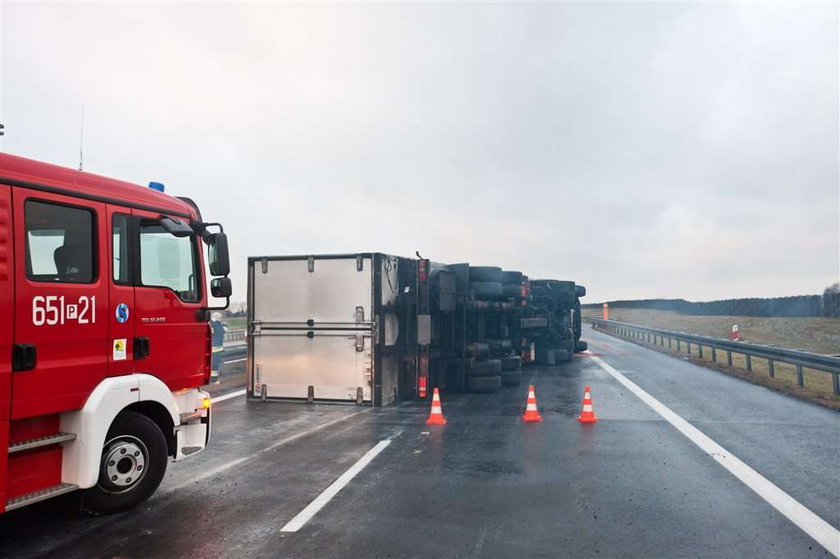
x=237 y=335
x=800 y=359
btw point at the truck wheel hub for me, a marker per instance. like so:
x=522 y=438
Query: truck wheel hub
x=123 y=464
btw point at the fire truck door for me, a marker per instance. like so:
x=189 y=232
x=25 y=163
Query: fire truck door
x=61 y=301
x=168 y=296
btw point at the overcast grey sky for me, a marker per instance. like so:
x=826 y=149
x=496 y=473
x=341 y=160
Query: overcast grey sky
x=643 y=150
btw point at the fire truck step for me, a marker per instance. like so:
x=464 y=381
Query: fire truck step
x=40 y=495
x=41 y=441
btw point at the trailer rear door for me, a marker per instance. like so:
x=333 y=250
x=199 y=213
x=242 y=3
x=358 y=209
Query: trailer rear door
x=312 y=328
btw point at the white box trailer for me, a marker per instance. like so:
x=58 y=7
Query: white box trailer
x=325 y=328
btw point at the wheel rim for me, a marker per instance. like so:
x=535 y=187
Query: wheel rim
x=124 y=462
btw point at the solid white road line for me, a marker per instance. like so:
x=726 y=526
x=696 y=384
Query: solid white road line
x=236 y=361
x=228 y=465
x=823 y=532
x=321 y=500
x=228 y=396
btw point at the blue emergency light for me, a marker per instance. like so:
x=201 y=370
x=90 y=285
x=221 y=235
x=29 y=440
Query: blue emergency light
x=156 y=186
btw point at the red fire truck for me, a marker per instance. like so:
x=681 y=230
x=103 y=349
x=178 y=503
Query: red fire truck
x=104 y=339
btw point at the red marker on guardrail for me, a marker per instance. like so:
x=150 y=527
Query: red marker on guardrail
x=735 y=336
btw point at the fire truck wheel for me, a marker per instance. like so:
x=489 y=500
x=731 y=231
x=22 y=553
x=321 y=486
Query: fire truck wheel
x=580 y=291
x=486 y=274
x=484 y=384
x=512 y=277
x=484 y=368
x=581 y=346
x=490 y=289
x=511 y=378
x=133 y=464
x=511 y=363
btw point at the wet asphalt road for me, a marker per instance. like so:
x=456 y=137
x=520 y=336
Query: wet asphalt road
x=486 y=484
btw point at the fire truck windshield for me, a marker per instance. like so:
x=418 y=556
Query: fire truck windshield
x=168 y=261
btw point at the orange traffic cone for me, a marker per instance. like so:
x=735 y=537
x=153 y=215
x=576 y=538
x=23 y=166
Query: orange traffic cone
x=587 y=415
x=531 y=412
x=436 y=416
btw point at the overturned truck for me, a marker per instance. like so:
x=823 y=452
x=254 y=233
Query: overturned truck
x=374 y=328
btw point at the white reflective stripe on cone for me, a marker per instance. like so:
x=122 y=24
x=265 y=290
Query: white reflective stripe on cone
x=587 y=407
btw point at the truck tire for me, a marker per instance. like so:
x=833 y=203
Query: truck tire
x=562 y=356
x=580 y=291
x=486 y=274
x=545 y=357
x=511 y=277
x=484 y=368
x=478 y=349
x=484 y=384
x=581 y=346
x=511 y=363
x=577 y=325
x=491 y=289
x=134 y=459
x=511 y=378
x=511 y=290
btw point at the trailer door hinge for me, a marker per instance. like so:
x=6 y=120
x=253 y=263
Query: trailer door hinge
x=310 y=263
x=360 y=263
x=264 y=265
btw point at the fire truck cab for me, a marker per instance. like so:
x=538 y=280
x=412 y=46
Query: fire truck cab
x=104 y=339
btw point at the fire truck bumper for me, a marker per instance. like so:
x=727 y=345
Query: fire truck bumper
x=193 y=432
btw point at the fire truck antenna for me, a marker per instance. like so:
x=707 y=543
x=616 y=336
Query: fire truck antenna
x=82 y=139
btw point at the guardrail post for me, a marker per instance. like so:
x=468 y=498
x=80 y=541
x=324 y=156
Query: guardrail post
x=771 y=368
x=800 y=378
x=688 y=345
x=835 y=380
x=749 y=361
x=714 y=355
x=678 y=345
x=728 y=357
x=669 y=343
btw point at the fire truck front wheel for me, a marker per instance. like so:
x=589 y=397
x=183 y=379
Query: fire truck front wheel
x=133 y=463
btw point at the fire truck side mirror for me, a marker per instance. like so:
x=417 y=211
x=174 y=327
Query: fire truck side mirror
x=221 y=288
x=219 y=261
